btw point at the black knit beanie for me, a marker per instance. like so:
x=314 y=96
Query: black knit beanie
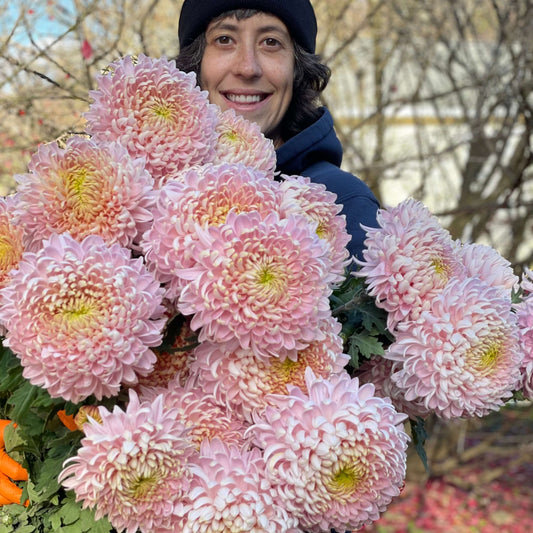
x=297 y=15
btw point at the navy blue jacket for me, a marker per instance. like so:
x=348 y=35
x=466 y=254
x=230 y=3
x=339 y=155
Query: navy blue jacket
x=316 y=152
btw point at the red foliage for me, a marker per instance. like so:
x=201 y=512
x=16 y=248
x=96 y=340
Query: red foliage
x=86 y=50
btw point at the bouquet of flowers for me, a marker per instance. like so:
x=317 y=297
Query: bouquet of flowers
x=186 y=349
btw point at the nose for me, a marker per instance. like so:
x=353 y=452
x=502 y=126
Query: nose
x=247 y=63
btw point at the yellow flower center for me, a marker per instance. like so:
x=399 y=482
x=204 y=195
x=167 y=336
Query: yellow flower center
x=142 y=486
x=163 y=110
x=77 y=180
x=266 y=276
x=441 y=268
x=345 y=481
x=80 y=191
x=219 y=215
x=232 y=136
x=270 y=280
x=282 y=373
x=321 y=231
x=287 y=366
x=485 y=357
x=76 y=313
x=8 y=255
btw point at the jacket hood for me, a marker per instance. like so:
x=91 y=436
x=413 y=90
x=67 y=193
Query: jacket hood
x=316 y=143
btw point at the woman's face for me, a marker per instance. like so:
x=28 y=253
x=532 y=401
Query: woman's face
x=248 y=66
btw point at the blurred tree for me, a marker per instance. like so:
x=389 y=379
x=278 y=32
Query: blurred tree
x=50 y=53
x=434 y=100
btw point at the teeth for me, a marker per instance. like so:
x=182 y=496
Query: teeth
x=244 y=98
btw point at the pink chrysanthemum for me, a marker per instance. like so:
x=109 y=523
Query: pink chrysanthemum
x=11 y=239
x=173 y=360
x=337 y=455
x=133 y=467
x=11 y=244
x=407 y=261
x=524 y=311
x=82 y=316
x=230 y=492
x=241 y=141
x=243 y=381
x=197 y=410
x=259 y=283
x=204 y=197
x=378 y=371
x=526 y=283
x=301 y=196
x=462 y=356
x=85 y=189
x=488 y=265
x=157 y=112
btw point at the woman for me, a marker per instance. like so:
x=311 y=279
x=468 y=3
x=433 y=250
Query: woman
x=258 y=58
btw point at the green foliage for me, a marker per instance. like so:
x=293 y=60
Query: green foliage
x=364 y=326
x=65 y=515
x=365 y=334
x=419 y=434
x=41 y=443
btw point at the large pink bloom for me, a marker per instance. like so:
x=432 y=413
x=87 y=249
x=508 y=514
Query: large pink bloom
x=11 y=243
x=486 y=263
x=230 y=493
x=11 y=239
x=408 y=259
x=462 y=356
x=82 y=316
x=318 y=205
x=526 y=283
x=133 y=467
x=241 y=141
x=83 y=189
x=259 y=283
x=157 y=112
x=199 y=411
x=204 y=196
x=524 y=311
x=243 y=381
x=379 y=372
x=336 y=455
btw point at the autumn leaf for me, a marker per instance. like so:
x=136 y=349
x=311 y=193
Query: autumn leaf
x=86 y=50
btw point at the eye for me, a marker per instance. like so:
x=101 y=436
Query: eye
x=271 y=41
x=223 y=39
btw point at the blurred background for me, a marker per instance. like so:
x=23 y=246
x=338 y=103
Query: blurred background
x=432 y=100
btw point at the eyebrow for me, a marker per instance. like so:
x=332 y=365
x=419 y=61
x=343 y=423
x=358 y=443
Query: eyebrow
x=226 y=25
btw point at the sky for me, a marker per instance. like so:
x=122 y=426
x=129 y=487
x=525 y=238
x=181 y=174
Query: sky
x=41 y=16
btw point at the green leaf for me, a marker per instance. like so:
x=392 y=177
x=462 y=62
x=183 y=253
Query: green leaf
x=418 y=431
x=13 y=438
x=20 y=443
x=21 y=399
x=72 y=528
x=364 y=344
x=364 y=325
x=10 y=371
x=55 y=453
x=55 y=521
x=70 y=512
x=89 y=524
x=26 y=529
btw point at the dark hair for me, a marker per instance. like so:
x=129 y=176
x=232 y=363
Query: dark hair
x=311 y=77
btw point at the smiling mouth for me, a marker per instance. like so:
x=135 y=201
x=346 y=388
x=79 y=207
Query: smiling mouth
x=245 y=98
